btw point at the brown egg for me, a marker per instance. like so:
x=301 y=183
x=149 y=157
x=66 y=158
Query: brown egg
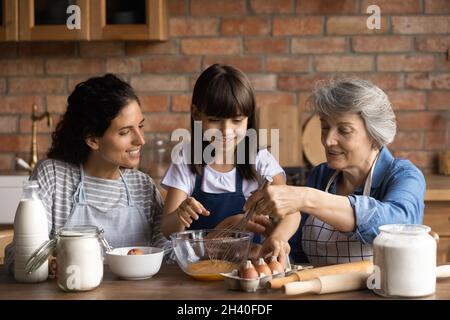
x=262 y=267
x=275 y=266
x=248 y=271
x=135 y=252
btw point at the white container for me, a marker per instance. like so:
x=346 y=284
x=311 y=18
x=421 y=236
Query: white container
x=135 y=267
x=406 y=258
x=30 y=231
x=79 y=258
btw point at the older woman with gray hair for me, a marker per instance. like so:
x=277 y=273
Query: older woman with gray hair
x=360 y=187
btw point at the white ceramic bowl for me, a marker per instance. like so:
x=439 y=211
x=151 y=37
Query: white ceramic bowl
x=135 y=267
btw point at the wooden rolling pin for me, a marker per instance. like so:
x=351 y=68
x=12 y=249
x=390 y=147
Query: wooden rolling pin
x=328 y=284
x=309 y=274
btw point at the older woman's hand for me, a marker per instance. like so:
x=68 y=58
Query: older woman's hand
x=258 y=224
x=276 y=201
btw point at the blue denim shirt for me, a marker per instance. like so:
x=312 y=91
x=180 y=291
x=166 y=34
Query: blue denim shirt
x=396 y=196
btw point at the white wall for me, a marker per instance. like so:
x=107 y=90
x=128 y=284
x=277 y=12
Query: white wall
x=10 y=194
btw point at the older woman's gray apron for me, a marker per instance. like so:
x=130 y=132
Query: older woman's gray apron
x=123 y=226
x=325 y=245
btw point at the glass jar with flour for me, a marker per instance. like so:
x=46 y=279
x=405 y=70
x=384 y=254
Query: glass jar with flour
x=79 y=257
x=405 y=258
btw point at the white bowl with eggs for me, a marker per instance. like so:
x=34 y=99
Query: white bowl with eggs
x=143 y=264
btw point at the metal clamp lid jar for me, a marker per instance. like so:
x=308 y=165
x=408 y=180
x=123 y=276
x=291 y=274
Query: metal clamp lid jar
x=79 y=257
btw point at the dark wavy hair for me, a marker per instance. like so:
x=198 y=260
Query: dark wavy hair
x=91 y=107
x=224 y=91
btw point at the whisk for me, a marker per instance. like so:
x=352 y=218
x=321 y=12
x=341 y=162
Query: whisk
x=220 y=246
x=248 y=214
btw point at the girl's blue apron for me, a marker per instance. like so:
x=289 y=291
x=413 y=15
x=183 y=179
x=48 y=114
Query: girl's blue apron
x=220 y=205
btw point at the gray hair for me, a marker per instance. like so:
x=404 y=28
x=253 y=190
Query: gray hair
x=338 y=96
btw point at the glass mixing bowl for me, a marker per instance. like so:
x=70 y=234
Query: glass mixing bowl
x=204 y=254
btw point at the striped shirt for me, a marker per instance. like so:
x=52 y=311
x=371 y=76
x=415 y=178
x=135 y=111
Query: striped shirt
x=58 y=182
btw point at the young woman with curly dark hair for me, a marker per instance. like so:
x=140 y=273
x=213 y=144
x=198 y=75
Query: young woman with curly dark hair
x=90 y=178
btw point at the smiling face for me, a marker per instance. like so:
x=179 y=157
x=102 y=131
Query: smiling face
x=121 y=143
x=346 y=141
x=227 y=132
x=232 y=130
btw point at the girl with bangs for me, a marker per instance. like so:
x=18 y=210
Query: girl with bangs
x=207 y=193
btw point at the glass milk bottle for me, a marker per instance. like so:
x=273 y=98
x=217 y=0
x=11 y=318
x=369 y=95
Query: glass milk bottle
x=30 y=231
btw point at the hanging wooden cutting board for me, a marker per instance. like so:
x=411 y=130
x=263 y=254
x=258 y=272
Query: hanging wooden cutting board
x=312 y=146
x=287 y=119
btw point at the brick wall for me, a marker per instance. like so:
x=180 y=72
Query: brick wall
x=284 y=46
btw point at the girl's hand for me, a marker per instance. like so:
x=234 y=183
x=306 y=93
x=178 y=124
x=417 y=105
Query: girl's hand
x=189 y=210
x=273 y=246
x=275 y=200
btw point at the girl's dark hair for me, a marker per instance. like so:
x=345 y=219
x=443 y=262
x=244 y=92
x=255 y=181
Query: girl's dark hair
x=90 y=109
x=224 y=91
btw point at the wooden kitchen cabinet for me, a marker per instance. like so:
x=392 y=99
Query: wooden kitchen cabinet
x=443 y=254
x=129 y=20
x=46 y=20
x=437 y=213
x=9 y=17
x=437 y=216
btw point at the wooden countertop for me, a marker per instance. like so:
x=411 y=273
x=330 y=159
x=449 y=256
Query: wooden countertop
x=438 y=188
x=170 y=284
x=6 y=236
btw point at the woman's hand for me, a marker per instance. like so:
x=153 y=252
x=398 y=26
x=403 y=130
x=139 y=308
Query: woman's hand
x=189 y=210
x=258 y=224
x=276 y=201
x=273 y=246
x=261 y=223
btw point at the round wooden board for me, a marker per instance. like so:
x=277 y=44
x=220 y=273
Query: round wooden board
x=312 y=145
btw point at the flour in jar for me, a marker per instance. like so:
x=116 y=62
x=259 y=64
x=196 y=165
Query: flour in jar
x=79 y=262
x=406 y=257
